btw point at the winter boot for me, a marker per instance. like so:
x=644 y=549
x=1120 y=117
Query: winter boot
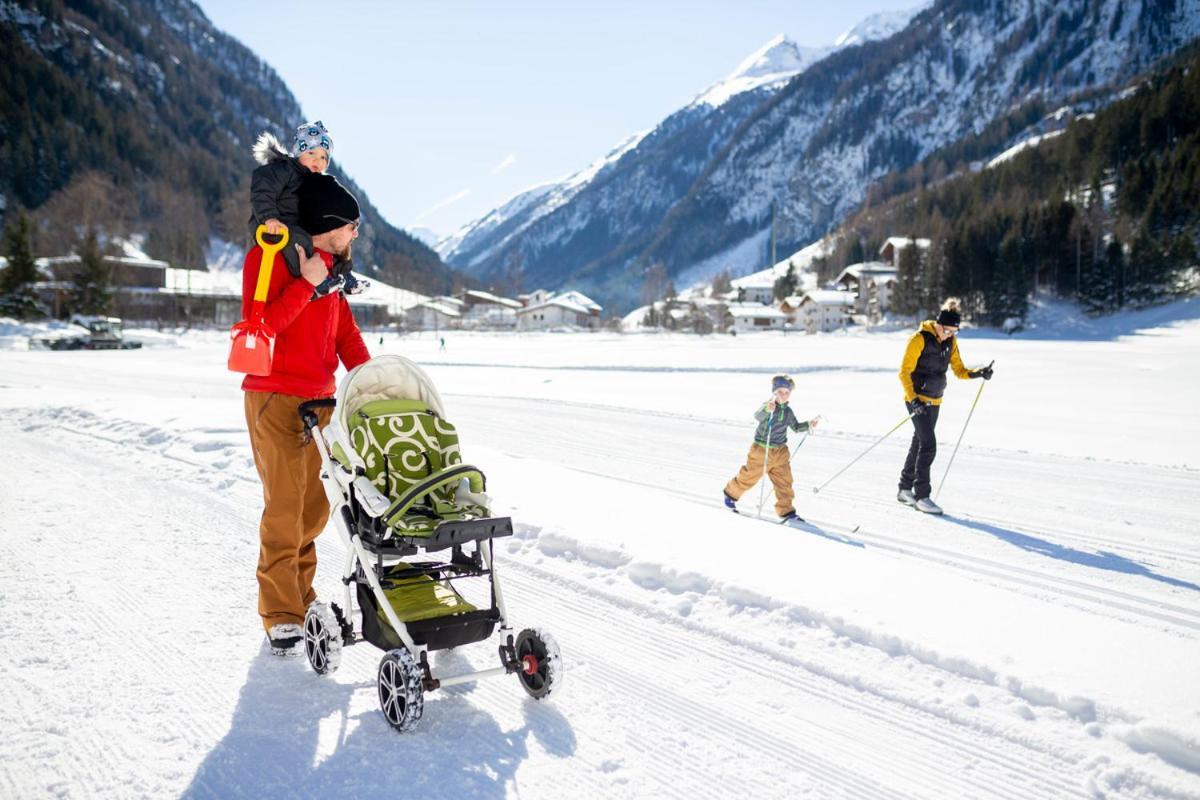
x=907 y=497
x=730 y=503
x=284 y=637
x=928 y=506
x=791 y=518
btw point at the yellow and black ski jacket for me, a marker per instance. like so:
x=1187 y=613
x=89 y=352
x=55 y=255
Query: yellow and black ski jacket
x=923 y=370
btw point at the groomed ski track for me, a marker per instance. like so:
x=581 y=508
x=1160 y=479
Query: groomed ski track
x=131 y=664
x=654 y=690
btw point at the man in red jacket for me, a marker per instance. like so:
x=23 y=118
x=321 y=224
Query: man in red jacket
x=313 y=330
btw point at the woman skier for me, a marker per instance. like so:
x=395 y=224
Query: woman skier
x=930 y=352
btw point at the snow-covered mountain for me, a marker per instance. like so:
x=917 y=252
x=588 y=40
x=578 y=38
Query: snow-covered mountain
x=706 y=178
x=481 y=247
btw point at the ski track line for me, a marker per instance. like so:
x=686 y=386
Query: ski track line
x=805 y=676
x=741 y=426
x=678 y=468
x=947 y=557
x=994 y=569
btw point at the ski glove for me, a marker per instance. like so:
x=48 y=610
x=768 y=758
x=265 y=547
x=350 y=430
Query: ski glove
x=916 y=407
x=985 y=373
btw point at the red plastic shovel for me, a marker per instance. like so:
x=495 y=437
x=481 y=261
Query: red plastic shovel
x=253 y=341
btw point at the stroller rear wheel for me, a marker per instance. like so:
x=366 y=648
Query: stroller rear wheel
x=401 y=690
x=540 y=662
x=322 y=639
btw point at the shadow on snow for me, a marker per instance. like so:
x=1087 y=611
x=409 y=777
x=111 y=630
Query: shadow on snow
x=285 y=711
x=1098 y=560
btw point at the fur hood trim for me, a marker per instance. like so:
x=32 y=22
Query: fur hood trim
x=268 y=149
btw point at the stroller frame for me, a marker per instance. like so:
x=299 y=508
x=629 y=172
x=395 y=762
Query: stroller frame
x=372 y=565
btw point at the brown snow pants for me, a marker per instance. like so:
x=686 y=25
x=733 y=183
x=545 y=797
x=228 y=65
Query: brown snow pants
x=779 y=470
x=295 y=507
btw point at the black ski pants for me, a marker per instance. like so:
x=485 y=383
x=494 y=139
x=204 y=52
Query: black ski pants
x=921 y=452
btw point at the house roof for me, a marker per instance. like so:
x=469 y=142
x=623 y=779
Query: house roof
x=867 y=269
x=439 y=307
x=755 y=310
x=828 y=297
x=901 y=242
x=488 y=297
x=560 y=302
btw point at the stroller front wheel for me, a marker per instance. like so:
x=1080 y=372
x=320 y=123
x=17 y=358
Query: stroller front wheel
x=540 y=662
x=401 y=690
x=322 y=639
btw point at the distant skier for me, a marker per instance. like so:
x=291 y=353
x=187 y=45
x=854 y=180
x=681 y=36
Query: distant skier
x=774 y=418
x=930 y=352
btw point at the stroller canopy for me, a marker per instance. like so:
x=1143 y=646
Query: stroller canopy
x=384 y=378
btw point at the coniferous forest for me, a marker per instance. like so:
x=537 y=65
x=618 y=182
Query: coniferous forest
x=1107 y=211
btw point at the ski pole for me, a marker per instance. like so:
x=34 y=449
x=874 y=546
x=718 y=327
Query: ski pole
x=762 y=486
x=817 y=489
x=950 y=463
x=793 y=455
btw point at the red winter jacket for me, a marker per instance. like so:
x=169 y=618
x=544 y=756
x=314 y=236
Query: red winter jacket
x=310 y=335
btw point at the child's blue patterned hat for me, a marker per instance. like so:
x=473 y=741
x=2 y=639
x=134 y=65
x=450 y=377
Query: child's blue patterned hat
x=309 y=136
x=782 y=382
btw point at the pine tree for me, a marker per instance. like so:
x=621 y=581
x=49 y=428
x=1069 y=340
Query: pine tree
x=17 y=296
x=785 y=286
x=91 y=293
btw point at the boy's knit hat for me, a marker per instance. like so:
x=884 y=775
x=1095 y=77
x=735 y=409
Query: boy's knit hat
x=309 y=136
x=324 y=204
x=782 y=382
x=949 y=317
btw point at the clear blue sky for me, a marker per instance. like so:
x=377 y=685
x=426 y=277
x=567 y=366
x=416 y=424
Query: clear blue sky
x=443 y=110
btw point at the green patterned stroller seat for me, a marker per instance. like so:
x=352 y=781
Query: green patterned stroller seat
x=410 y=454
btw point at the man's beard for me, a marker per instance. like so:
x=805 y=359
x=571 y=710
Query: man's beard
x=344 y=255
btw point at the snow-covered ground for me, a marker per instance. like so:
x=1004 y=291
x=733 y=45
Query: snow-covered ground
x=1042 y=640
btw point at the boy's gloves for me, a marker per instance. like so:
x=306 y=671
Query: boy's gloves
x=985 y=373
x=916 y=407
x=328 y=286
x=353 y=285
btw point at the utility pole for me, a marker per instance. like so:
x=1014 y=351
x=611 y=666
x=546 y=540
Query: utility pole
x=773 y=260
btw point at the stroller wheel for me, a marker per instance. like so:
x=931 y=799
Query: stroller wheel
x=322 y=639
x=401 y=691
x=540 y=662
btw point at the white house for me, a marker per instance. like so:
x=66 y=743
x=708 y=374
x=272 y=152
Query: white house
x=434 y=315
x=755 y=317
x=872 y=283
x=569 y=309
x=824 y=310
x=889 y=251
x=486 y=310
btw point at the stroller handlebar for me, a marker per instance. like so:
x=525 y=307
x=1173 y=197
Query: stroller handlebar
x=306 y=410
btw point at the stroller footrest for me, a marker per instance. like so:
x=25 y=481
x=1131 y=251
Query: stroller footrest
x=455 y=532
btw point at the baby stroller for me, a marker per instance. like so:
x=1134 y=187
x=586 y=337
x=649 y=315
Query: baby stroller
x=401 y=499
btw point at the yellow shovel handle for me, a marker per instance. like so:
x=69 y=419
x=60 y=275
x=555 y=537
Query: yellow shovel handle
x=268 y=261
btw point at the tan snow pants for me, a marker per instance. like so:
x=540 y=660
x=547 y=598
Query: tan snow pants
x=295 y=507
x=779 y=470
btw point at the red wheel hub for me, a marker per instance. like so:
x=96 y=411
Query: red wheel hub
x=529 y=664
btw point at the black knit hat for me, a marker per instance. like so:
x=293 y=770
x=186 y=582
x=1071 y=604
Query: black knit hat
x=325 y=204
x=949 y=318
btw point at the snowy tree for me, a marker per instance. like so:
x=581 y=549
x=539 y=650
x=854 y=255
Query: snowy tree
x=17 y=296
x=91 y=293
x=785 y=286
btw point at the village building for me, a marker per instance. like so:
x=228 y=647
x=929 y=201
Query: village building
x=486 y=311
x=570 y=309
x=871 y=284
x=822 y=310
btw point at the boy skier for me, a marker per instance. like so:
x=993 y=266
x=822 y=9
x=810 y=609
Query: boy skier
x=774 y=418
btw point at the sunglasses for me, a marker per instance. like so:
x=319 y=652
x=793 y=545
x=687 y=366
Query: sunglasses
x=357 y=223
